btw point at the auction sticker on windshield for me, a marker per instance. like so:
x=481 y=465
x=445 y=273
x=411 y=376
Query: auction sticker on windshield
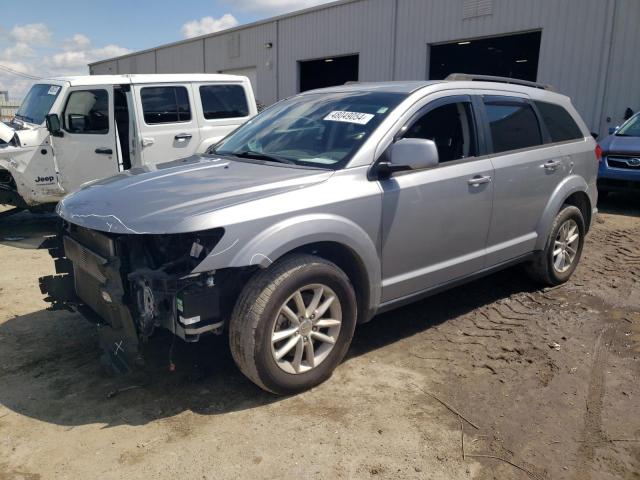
x=53 y=90
x=349 y=117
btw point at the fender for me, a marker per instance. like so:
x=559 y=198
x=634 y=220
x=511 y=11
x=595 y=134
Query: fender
x=207 y=142
x=564 y=190
x=277 y=240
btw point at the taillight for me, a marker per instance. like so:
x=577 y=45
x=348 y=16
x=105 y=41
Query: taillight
x=598 y=153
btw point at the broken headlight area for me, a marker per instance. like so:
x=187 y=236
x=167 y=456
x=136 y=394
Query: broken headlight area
x=133 y=284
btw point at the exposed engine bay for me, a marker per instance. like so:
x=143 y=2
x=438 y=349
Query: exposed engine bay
x=129 y=285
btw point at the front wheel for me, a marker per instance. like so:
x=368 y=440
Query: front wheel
x=557 y=262
x=293 y=323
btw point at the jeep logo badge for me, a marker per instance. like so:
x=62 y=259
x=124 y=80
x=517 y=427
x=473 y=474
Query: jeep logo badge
x=44 y=180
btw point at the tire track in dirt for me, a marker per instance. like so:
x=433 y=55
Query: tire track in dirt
x=592 y=433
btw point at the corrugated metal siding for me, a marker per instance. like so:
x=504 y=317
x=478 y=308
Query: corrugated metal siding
x=363 y=27
x=141 y=63
x=572 y=34
x=108 y=67
x=182 y=58
x=579 y=43
x=253 y=53
x=622 y=89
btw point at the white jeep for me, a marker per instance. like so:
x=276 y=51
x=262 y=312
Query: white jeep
x=72 y=130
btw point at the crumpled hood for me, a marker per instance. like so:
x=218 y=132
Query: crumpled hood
x=6 y=132
x=621 y=145
x=166 y=198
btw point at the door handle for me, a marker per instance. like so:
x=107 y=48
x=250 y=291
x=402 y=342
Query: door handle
x=183 y=136
x=104 y=151
x=552 y=165
x=147 y=141
x=479 y=180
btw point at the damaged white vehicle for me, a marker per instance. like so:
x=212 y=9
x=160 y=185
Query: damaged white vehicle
x=73 y=130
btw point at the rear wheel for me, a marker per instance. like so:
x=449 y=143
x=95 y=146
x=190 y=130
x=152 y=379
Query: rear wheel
x=293 y=324
x=557 y=262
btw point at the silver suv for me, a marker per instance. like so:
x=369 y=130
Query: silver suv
x=329 y=208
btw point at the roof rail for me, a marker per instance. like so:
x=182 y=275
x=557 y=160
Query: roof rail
x=489 y=78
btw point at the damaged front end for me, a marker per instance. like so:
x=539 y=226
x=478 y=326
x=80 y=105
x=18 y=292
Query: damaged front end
x=131 y=284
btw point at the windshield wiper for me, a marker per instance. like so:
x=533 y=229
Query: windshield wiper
x=263 y=156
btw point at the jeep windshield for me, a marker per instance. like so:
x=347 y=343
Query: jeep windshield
x=321 y=130
x=631 y=128
x=37 y=103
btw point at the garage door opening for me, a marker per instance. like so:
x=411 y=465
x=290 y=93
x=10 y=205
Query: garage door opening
x=514 y=56
x=328 y=72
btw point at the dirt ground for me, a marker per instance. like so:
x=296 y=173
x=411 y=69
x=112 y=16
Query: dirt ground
x=548 y=377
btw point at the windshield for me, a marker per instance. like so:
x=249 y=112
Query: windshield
x=631 y=128
x=315 y=130
x=37 y=103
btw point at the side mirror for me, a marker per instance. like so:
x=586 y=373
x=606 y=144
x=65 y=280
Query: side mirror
x=613 y=130
x=409 y=154
x=53 y=124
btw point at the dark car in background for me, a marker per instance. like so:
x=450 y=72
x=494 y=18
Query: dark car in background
x=620 y=166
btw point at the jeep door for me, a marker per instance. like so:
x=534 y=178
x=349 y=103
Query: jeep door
x=87 y=148
x=526 y=174
x=167 y=122
x=435 y=221
x=221 y=108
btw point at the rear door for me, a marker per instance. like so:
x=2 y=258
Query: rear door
x=221 y=108
x=167 y=122
x=87 y=149
x=526 y=174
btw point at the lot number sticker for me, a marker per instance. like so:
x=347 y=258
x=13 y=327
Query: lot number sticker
x=349 y=117
x=53 y=90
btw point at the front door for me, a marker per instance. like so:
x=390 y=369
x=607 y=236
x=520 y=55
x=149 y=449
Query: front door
x=87 y=148
x=436 y=221
x=168 y=125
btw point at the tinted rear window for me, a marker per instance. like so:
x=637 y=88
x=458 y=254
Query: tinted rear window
x=560 y=124
x=513 y=124
x=223 y=101
x=165 y=105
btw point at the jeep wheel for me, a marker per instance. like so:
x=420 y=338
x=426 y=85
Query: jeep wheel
x=293 y=323
x=557 y=262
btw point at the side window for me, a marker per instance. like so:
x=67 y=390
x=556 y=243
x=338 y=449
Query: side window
x=514 y=125
x=223 y=101
x=87 y=112
x=165 y=105
x=452 y=129
x=560 y=124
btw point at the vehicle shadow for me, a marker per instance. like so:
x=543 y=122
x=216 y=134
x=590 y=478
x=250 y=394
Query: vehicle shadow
x=50 y=368
x=23 y=229
x=621 y=204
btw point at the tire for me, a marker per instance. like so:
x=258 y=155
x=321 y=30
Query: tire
x=258 y=319
x=543 y=268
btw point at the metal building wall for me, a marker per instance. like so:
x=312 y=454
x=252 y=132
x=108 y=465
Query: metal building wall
x=570 y=52
x=623 y=68
x=140 y=63
x=185 y=57
x=247 y=49
x=363 y=27
x=587 y=51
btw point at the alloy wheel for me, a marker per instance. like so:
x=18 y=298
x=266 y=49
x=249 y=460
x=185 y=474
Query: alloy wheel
x=565 y=247
x=306 y=328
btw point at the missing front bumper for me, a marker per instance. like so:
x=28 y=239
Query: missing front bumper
x=127 y=307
